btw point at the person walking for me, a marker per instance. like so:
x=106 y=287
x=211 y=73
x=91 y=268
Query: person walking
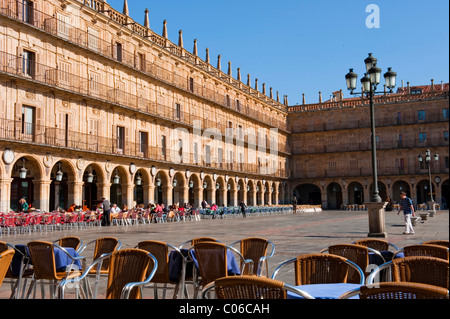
x=294 y=205
x=406 y=205
x=243 y=207
x=106 y=219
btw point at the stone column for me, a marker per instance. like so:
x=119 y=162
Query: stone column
x=42 y=194
x=5 y=194
x=377 y=222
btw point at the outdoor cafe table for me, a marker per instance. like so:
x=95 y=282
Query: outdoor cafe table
x=61 y=258
x=325 y=291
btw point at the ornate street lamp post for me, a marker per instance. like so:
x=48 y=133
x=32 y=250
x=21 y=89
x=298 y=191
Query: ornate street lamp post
x=428 y=161
x=369 y=84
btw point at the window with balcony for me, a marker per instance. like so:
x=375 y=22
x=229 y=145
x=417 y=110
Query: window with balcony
x=422 y=137
x=143 y=143
x=28 y=63
x=445 y=136
x=177 y=111
x=445 y=113
x=28 y=120
x=163 y=146
x=421 y=115
x=27 y=8
x=120 y=139
x=119 y=51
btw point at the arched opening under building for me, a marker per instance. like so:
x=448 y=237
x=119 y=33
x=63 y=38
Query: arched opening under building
x=308 y=194
x=397 y=188
x=445 y=190
x=355 y=193
x=22 y=186
x=334 y=196
x=423 y=192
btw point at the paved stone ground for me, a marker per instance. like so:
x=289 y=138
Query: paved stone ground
x=292 y=234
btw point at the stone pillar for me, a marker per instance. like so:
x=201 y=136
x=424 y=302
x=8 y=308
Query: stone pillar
x=377 y=222
x=129 y=201
x=149 y=194
x=42 y=194
x=5 y=194
x=103 y=190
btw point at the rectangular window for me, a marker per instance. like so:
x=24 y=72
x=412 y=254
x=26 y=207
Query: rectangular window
x=191 y=84
x=63 y=26
x=400 y=140
x=195 y=152
x=28 y=63
x=180 y=150
x=446 y=162
x=119 y=51
x=422 y=137
x=399 y=117
x=28 y=120
x=120 y=138
x=445 y=113
x=93 y=42
x=238 y=105
x=94 y=82
x=421 y=115
x=163 y=146
x=228 y=101
x=143 y=143
x=64 y=73
x=207 y=155
x=220 y=157
x=177 y=111
x=445 y=136
x=27 y=7
x=141 y=62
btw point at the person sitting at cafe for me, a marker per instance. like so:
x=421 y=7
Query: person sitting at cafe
x=71 y=209
x=114 y=211
x=23 y=205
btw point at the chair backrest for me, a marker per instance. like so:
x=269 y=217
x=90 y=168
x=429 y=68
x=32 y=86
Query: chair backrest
x=444 y=243
x=357 y=253
x=202 y=239
x=105 y=245
x=320 y=269
x=249 y=287
x=127 y=266
x=426 y=250
x=254 y=248
x=5 y=260
x=402 y=290
x=160 y=251
x=421 y=269
x=70 y=241
x=212 y=260
x=377 y=244
x=43 y=259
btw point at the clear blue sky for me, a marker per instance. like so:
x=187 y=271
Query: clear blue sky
x=299 y=46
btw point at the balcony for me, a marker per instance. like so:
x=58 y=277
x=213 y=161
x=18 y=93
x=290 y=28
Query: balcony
x=52 y=26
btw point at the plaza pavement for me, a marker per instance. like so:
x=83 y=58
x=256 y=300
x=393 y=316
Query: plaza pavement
x=292 y=234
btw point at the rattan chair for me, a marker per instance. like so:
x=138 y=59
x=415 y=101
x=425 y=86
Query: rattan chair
x=377 y=244
x=251 y=287
x=444 y=243
x=42 y=257
x=423 y=250
x=421 y=269
x=255 y=248
x=320 y=269
x=398 y=290
x=17 y=277
x=161 y=251
x=356 y=253
x=193 y=241
x=103 y=245
x=212 y=263
x=70 y=241
x=5 y=260
x=129 y=270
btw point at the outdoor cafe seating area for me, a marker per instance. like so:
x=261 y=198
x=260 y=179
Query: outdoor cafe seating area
x=13 y=223
x=204 y=267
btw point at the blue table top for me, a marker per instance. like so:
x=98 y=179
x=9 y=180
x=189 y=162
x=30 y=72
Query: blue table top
x=325 y=291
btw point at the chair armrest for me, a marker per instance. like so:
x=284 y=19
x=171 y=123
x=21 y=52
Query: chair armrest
x=373 y=275
x=129 y=286
x=360 y=271
x=64 y=282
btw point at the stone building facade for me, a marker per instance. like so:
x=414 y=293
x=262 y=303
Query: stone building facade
x=126 y=114
x=94 y=104
x=331 y=147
